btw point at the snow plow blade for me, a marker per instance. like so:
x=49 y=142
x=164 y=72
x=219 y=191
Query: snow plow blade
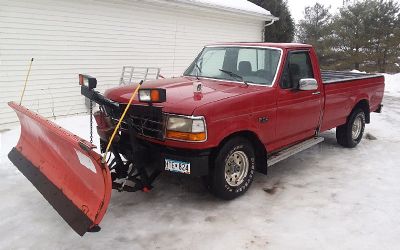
x=64 y=169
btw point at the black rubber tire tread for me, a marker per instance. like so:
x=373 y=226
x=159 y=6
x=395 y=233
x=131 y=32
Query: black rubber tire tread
x=217 y=183
x=343 y=132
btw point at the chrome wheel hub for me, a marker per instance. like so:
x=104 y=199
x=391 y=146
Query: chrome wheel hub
x=356 y=128
x=236 y=168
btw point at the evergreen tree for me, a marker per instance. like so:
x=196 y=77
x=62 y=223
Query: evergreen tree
x=282 y=30
x=367 y=35
x=351 y=37
x=315 y=28
x=383 y=25
x=364 y=35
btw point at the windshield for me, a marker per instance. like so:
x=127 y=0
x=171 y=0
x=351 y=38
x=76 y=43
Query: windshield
x=247 y=64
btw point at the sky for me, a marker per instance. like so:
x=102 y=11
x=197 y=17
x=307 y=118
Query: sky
x=297 y=6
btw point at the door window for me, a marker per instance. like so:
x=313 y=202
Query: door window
x=298 y=66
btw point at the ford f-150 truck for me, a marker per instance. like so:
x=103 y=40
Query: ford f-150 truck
x=237 y=109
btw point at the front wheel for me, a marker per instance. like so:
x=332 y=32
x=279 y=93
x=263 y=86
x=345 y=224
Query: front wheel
x=234 y=168
x=350 y=134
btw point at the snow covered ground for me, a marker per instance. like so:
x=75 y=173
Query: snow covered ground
x=327 y=197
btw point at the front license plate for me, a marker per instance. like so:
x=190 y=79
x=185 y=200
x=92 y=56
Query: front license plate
x=177 y=166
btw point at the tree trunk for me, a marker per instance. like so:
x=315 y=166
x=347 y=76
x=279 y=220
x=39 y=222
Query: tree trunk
x=357 y=62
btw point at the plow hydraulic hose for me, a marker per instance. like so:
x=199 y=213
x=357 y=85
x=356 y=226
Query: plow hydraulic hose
x=120 y=121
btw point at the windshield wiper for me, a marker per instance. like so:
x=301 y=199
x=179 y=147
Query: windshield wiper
x=230 y=73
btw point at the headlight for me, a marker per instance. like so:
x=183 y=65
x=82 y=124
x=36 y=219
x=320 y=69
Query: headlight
x=186 y=128
x=88 y=81
x=152 y=95
x=145 y=95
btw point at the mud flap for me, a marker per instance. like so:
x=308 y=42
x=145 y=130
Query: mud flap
x=64 y=168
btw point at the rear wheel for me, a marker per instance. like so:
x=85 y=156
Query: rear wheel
x=350 y=134
x=233 y=170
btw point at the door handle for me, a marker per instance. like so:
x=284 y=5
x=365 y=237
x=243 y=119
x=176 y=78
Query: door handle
x=316 y=93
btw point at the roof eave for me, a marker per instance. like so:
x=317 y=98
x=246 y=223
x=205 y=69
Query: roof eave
x=260 y=16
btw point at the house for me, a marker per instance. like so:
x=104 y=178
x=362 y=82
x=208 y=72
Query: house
x=99 y=37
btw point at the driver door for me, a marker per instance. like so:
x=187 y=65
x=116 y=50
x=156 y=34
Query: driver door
x=298 y=111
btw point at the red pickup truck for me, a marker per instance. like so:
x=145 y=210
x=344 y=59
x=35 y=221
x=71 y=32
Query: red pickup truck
x=238 y=108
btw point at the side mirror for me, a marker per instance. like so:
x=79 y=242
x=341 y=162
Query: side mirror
x=308 y=84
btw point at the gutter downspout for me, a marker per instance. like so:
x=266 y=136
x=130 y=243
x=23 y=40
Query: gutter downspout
x=266 y=25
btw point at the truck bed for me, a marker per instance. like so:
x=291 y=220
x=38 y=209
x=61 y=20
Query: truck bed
x=343 y=90
x=330 y=76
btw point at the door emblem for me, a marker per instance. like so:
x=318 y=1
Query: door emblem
x=263 y=119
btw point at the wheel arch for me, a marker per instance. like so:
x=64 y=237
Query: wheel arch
x=364 y=105
x=259 y=148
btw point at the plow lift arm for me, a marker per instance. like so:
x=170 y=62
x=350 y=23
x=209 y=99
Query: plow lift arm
x=66 y=170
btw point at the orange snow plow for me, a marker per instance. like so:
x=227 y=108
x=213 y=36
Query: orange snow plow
x=64 y=168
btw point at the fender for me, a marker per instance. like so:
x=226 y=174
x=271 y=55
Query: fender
x=229 y=128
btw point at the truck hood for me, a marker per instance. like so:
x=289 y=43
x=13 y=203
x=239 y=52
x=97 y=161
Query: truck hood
x=181 y=98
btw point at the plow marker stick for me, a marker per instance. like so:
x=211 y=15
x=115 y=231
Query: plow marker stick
x=120 y=121
x=26 y=81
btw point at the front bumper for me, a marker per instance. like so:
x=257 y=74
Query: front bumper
x=155 y=155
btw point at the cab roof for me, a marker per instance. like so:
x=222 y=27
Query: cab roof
x=260 y=44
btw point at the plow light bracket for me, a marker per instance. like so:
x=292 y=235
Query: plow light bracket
x=88 y=81
x=154 y=95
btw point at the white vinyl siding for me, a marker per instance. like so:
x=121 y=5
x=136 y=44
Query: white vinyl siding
x=98 y=37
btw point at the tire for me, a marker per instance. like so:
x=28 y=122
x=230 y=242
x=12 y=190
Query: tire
x=228 y=181
x=350 y=134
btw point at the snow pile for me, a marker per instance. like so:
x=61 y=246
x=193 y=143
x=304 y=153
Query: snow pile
x=392 y=86
x=357 y=71
x=235 y=5
x=326 y=197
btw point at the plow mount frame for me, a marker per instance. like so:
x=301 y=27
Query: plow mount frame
x=135 y=168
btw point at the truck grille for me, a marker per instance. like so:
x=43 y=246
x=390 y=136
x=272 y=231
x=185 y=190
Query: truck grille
x=145 y=120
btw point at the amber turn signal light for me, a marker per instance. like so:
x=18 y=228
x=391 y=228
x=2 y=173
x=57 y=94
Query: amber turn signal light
x=185 y=136
x=155 y=95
